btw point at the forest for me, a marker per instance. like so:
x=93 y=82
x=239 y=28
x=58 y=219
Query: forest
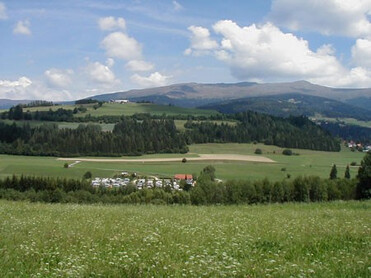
x=293 y=132
x=129 y=137
x=146 y=134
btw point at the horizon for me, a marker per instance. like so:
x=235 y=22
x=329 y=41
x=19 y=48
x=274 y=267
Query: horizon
x=74 y=49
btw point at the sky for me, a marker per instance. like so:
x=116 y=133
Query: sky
x=66 y=50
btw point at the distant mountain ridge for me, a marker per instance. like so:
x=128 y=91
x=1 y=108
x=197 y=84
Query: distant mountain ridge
x=292 y=104
x=196 y=94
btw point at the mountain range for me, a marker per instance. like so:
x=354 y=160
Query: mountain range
x=291 y=97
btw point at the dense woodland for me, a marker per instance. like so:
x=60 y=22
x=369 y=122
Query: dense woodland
x=144 y=133
x=349 y=132
x=294 y=132
x=129 y=137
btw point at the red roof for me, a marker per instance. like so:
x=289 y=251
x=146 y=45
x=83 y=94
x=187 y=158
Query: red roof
x=183 y=177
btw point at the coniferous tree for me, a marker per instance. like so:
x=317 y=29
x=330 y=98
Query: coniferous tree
x=347 y=172
x=364 y=178
x=333 y=173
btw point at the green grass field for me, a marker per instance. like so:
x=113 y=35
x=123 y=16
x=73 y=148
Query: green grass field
x=73 y=125
x=307 y=163
x=290 y=240
x=116 y=109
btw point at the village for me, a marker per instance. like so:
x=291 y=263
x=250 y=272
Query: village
x=358 y=146
x=125 y=179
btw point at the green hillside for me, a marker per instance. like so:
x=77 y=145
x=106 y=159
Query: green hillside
x=128 y=109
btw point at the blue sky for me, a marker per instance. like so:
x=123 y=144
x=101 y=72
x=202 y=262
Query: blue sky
x=60 y=50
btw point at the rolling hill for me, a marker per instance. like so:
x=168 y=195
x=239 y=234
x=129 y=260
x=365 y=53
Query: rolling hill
x=292 y=104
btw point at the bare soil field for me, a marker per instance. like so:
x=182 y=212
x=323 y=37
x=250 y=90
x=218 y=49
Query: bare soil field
x=201 y=157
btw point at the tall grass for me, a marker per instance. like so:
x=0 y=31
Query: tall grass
x=290 y=240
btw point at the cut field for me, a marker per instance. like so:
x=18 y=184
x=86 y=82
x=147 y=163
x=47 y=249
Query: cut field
x=289 y=240
x=306 y=163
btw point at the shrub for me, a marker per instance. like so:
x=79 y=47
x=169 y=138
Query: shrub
x=287 y=152
x=87 y=175
x=184 y=160
x=258 y=151
x=65 y=165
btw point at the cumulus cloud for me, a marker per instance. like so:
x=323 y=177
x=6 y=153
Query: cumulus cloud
x=139 y=65
x=3 y=14
x=266 y=53
x=101 y=73
x=261 y=51
x=201 y=42
x=153 y=80
x=330 y=17
x=361 y=53
x=25 y=88
x=22 y=28
x=58 y=78
x=120 y=45
x=110 y=23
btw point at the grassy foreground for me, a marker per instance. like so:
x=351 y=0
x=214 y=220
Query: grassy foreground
x=297 y=240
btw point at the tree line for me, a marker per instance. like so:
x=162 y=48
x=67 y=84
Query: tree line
x=129 y=137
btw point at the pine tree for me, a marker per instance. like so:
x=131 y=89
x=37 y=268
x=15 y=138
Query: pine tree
x=333 y=173
x=364 y=176
x=347 y=172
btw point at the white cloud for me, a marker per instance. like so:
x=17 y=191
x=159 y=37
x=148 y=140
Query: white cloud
x=120 y=45
x=22 y=82
x=139 y=65
x=361 y=53
x=22 y=28
x=24 y=88
x=263 y=51
x=110 y=23
x=110 y=62
x=101 y=73
x=3 y=14
x=58 y=78
x=201 y=42
x=329 y=17
x=266 y=53
x=177 y=6
x=153 y=80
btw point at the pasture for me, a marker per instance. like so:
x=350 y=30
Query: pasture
x=306 y=163
x=128 y=109
x=289 y=240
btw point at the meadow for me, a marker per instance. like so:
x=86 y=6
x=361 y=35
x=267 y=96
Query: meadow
x=289 y=240
x=307 y=163
x=128 y=109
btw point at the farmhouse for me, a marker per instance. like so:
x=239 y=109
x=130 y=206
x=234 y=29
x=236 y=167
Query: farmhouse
x=183 y=177
x=121 y=101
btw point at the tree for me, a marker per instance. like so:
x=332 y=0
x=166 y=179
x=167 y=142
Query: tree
x=347 y=173
x=65 y=165
x=363 y=190
x=209 y=171
x=258 y=151
x=334 y=172
x=287 y=152
x=184 y=160
x=87 y=175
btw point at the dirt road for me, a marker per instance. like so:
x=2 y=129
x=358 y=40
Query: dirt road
x=201 y=157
